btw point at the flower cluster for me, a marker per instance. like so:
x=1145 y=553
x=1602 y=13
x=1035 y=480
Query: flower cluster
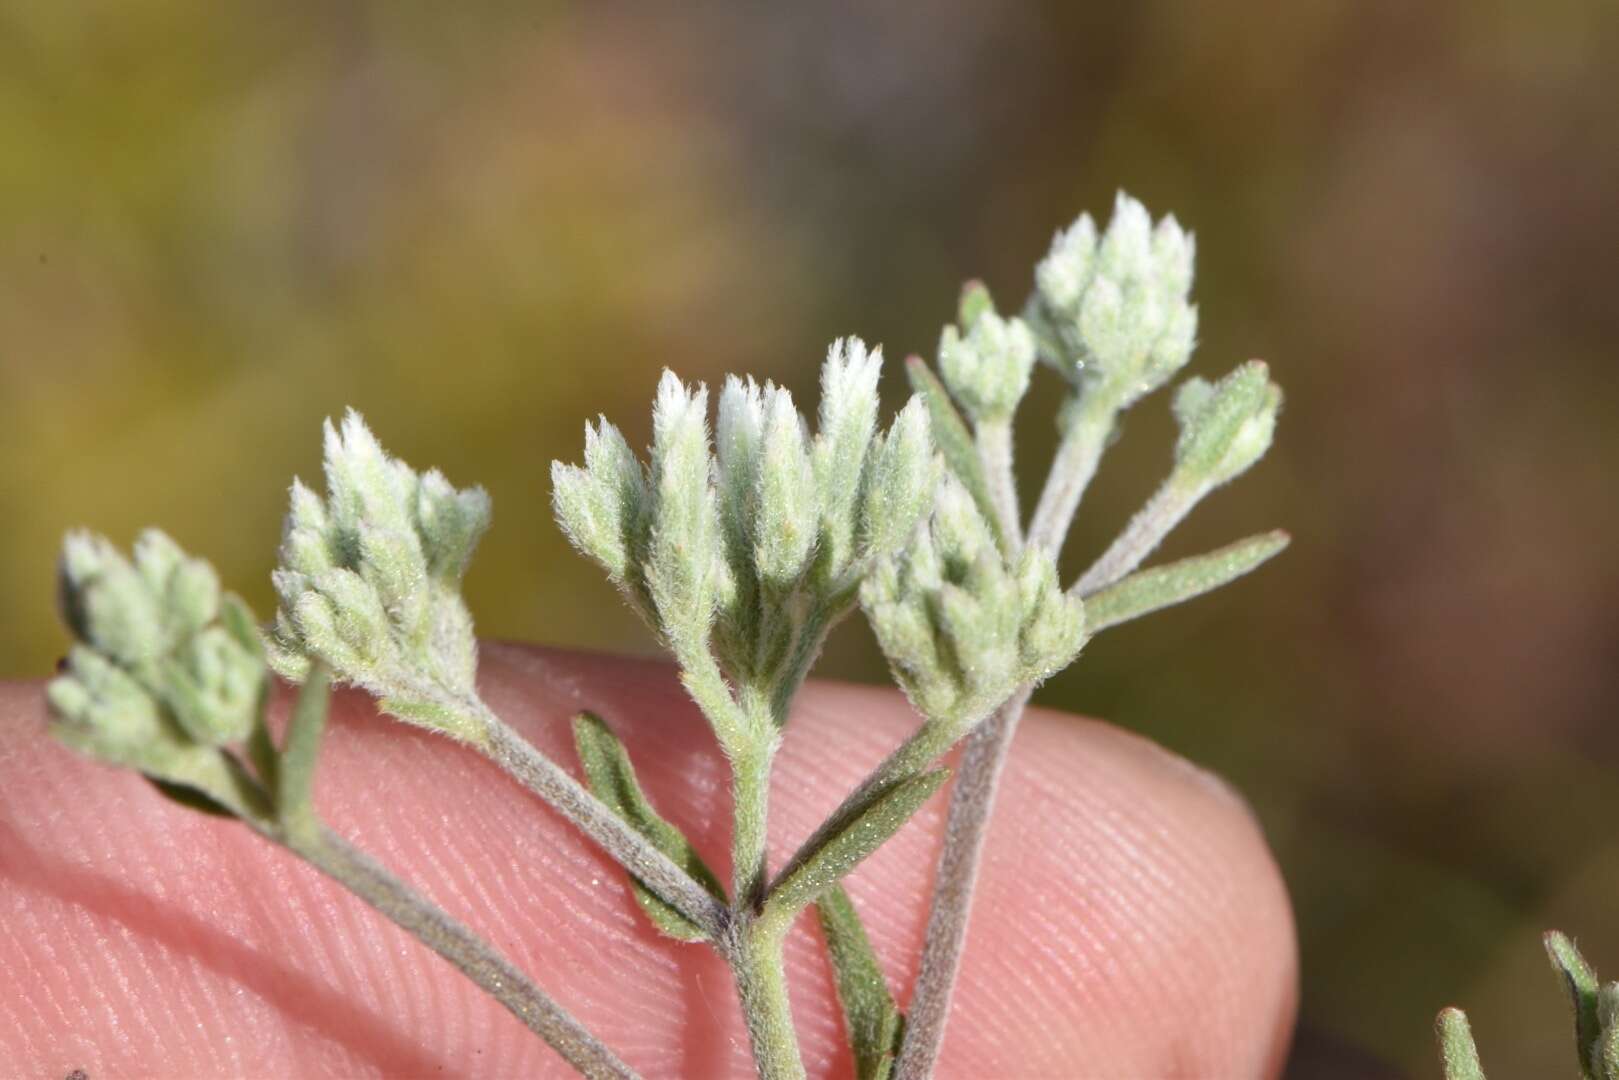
x=961 y=628
x=1112 y=310
x=754 y=547
x=167 y=668
x=986 y=363
x=370 y=580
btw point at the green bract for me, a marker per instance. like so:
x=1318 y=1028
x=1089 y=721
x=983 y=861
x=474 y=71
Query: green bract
x=370 y=580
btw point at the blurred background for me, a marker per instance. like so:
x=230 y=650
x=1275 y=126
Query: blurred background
x=482 y=224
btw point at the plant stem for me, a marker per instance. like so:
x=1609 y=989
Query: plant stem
x=994 y=439
x=1086 y=431
x=542 y=776
x=1168 y=505
x=750 y=787
x=755 y=953
x=295 y=773
x=971 y=801
x=361 y=875
x=1084 y=439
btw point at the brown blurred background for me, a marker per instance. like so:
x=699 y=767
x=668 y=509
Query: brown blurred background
x=220 y=223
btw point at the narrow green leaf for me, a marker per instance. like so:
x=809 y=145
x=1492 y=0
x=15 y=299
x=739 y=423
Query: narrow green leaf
x=1456 y=1047
x=612 y=780
x=1150 y=590
x=212 y=781
x=954 y=440
x=191 y=798
x=843 y=849
x=431 y=714
x=1582 y=991
x=295 y=771
x=871 y=1019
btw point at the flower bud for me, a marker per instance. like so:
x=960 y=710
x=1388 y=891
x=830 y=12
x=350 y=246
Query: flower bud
x=987 y=363
x=1225 y=426
x=164 y=661
x=369 y=578
x=1112 y=313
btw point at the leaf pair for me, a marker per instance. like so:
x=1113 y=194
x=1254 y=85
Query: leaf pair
x=611 y=778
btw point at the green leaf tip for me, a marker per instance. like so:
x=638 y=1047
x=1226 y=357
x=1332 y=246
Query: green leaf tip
x=167 y=670
x=1160 y=587
x=369 y=581
x=871 y=1018
x=819 y=869
x=1456 y=1048
x=1584 y=991
x=611 y=778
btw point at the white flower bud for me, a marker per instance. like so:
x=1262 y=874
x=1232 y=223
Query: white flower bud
x=900 y=481
x=848 y=423
x=789 y=516
x=682 y=569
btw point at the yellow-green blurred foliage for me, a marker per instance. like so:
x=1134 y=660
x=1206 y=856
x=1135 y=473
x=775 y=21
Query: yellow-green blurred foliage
x=481 y=224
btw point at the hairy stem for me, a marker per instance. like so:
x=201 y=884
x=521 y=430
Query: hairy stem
x=542 y=776
x=1086 y=431
x=971 y=801
x=1168 y=505
x=363 y=876
x=1084 y=439
x=750 y=787
x=994 y=438
x=755 y=953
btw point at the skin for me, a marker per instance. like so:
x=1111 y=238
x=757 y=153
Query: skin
x=1130 y=923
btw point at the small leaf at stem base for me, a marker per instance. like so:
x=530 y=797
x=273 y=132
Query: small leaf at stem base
x=612 y=779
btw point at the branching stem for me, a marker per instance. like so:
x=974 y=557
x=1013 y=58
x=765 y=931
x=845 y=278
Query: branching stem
x=542 y=776
x=755 y=953
x=1084 y=440
x=1145 y=532
x=994 y=439
x=750 y=786
x=1086 y=431
x=971 y=801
